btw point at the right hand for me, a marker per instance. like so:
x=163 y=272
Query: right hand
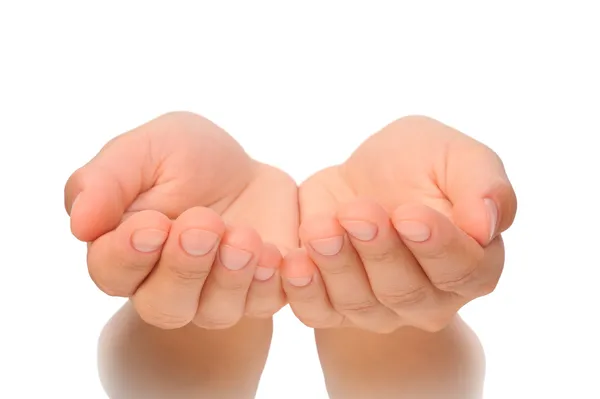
x=175 y=214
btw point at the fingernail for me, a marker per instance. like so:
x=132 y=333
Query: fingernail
x=328 y=246
x=492 y=210
x=299 y=281
x=363 y=231
x=263 y=273
x=198 y=242
x=148 y=240
x=234 y=258
x=413 y=231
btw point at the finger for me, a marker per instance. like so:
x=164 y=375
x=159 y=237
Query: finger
x=306 y=292
x=265 y=296
x=484 y=202
x=396 y=277
x=453 y=261
x=344 y=276
x=223 y=298
x=120 y=260
x=169 y=297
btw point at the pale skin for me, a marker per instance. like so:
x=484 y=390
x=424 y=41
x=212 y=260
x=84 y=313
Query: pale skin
x=377 y=254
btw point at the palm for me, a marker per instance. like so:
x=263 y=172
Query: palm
x=391 y=167
x=177 y=162
x=269 y=204
x=417 y=160
x=242 y=190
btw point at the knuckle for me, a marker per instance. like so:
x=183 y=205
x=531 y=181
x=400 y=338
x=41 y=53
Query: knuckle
x=409 y=123
x=263 y=310
x=461 y=283
x=159 y=318
x=355 y=307
x=385 y=326
x=132 y=266
x=386 y=330
x=188 y=273
x=336 y=268
x=437 y=252
x=385 y=256
x=309 y=296
x=400 y=298
x=233 y=285
x=487 y=287
x=212 y=322
x=116 y=292
x=261 y=313
x=110 y=288
x=436 y=324
x=181 y=117
x=321 y=321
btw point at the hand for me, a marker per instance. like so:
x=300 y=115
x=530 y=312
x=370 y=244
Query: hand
x=404 y=233
x=175 y=214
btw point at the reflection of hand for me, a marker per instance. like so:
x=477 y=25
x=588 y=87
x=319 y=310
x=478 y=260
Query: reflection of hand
x=153 y=206
x=405 y=232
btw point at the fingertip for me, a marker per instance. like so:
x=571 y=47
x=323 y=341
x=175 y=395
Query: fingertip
x=316 y=227
x=297 y=265
x=146 y=231
x=268 y=262
x=201 y=218
x=270 y=256
x=413 y=222
x=431 y=234
x=243 y=237
x=479 y=218
x=363 y=220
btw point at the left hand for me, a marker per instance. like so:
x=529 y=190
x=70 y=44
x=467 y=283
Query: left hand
x=404 y=233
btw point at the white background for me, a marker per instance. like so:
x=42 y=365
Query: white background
x=300 y=86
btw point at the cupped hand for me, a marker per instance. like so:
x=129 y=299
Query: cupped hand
x=181 y=220
x=404 y=233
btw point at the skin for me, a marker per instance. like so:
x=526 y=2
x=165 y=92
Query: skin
x=163 y=215
x=395 y=241
x=392 y=244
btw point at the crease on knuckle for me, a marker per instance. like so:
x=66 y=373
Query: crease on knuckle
x=306 y=297
x=336 y=269
x=435 y=252
x=355 y=307
x=188 y=273
x=132 y=266
x=400 y=298
x=159 y=318
x=386 y=256
x=212 y=322
x=232 y=285
x=458 y=284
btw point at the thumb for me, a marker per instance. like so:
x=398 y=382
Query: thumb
x=98 y=194
x=484 y=202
